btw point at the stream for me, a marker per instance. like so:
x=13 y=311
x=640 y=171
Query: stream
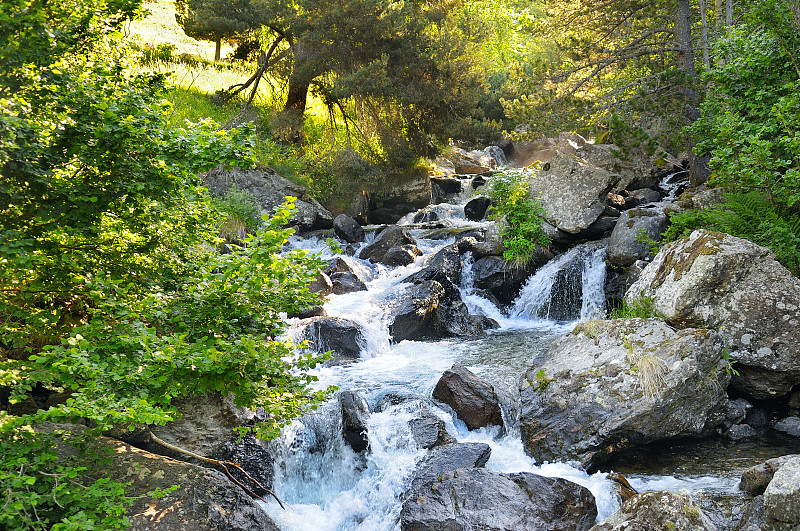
x=325 y=485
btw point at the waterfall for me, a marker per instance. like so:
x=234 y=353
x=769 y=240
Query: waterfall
x=568 y=288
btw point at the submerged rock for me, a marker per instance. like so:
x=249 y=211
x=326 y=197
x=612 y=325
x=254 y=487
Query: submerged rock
x=611 y=385
x=504 y=279
x=354 y=420
x=473 y=399
x=713 y=280
x=657 y=510
x=477 y=498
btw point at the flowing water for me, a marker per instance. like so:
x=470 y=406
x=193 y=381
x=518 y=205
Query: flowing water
x=327 y=486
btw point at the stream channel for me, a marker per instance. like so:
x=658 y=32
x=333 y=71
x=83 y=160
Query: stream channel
x=325 y=485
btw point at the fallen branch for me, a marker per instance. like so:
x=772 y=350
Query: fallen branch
x=224 y=465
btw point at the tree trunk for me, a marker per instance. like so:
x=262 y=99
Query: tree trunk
x=704 y=34
x=218 y=51
x=698 y=166
x=299 y=81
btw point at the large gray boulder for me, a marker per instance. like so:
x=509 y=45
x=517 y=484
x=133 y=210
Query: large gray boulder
x=270 y=190
x=628 y=241
x=428 y=430
x=713 y=280
x=611 y=385
x=399 y=196
x=782 y=497
x=205 y=425
x=657 y=510
x=476 y=498
x=473 y=399
x=572 y=191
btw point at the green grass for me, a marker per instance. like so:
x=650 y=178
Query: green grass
x=160 y=27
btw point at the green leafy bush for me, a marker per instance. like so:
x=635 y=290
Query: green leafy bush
x=111 y=290
x=750 y=216
x=522 y=216
x=240 y=212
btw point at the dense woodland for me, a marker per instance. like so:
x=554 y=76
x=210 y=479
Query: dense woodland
x=114 y=296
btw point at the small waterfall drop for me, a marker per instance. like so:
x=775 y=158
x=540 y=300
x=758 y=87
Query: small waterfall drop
x=568 y=288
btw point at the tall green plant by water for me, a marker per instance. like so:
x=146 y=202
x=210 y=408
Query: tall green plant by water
x=521 y=215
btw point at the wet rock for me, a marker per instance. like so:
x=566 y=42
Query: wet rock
x=448 y=458
x=445 y=189
x=645 y=195
x=755 y=479
x=624 y=489
x=714 y=280
x=788 y=427
x=741 y=432
x=429 y=430
x=782 y=497
x=447 y=263
x=401 y=256
x=346 y=283
x=475 y=209
x=392 y=236
x=426 y=215
x=482 y=499
x=657 y=510
x=504 y=279
x=342 y=336
x=618 y=283
x=626 y=246
x=270 y=190
x=354 y=420
x=737 y=411
x=431 y=310
x=321 y=285
x=611 y=385
x=473 y=399
x=252 y=455
x=348 y=229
